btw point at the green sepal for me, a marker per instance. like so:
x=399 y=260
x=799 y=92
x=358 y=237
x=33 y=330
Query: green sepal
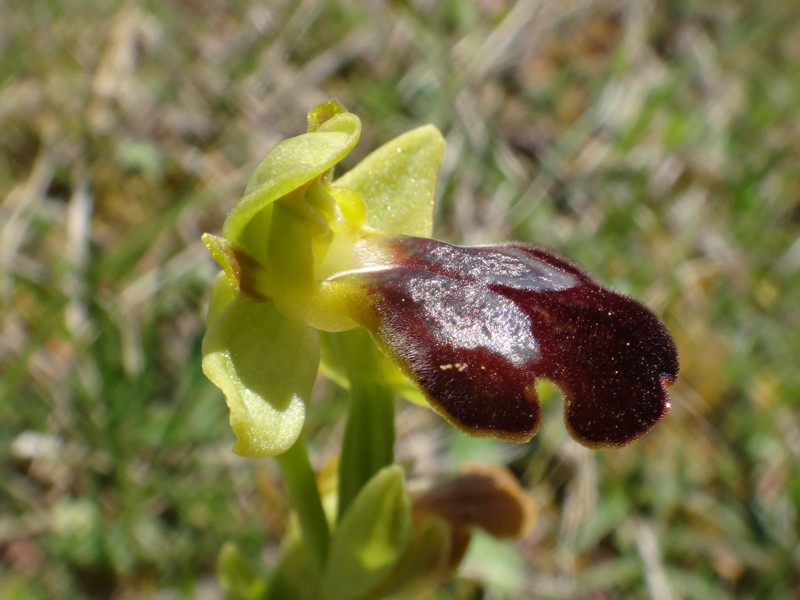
x=292 y=164
x=398 y=182
x=222 y=294
x=370 y=539
x=265 y=364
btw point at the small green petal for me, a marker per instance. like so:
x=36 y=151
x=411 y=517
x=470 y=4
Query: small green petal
x=292 y=164
x=245 y=275
x=265 y=364
x=398 y=182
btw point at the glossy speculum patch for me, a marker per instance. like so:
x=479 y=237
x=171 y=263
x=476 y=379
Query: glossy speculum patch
x=475 y=327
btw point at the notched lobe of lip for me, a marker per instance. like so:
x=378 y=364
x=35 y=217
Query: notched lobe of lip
x=475 y=327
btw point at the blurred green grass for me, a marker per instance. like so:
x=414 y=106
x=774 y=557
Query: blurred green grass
x=656 y=143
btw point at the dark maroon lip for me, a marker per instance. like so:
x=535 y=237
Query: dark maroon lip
x=475 y=327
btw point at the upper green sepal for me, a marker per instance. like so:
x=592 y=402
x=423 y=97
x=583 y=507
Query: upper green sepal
x=294 y=163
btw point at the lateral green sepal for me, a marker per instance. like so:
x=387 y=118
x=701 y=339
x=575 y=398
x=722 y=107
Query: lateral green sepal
x=265 y=364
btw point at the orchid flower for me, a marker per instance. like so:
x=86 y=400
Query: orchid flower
x=471 y=328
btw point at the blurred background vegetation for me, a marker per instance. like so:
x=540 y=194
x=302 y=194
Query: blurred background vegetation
x=656 y=142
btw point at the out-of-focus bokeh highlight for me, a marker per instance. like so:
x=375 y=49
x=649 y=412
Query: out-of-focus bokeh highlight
x=655 y=142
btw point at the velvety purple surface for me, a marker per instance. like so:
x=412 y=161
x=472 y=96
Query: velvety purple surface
x=476 y=326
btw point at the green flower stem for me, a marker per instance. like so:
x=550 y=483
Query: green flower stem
x=368 y=443
x=301 y=484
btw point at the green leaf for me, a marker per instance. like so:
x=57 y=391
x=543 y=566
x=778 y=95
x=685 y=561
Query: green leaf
x=424 y=563
x=398 y=182
x=265 y=364
x=370 y=539
x=238 y=576
x=289 y=166
x=294 y=578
